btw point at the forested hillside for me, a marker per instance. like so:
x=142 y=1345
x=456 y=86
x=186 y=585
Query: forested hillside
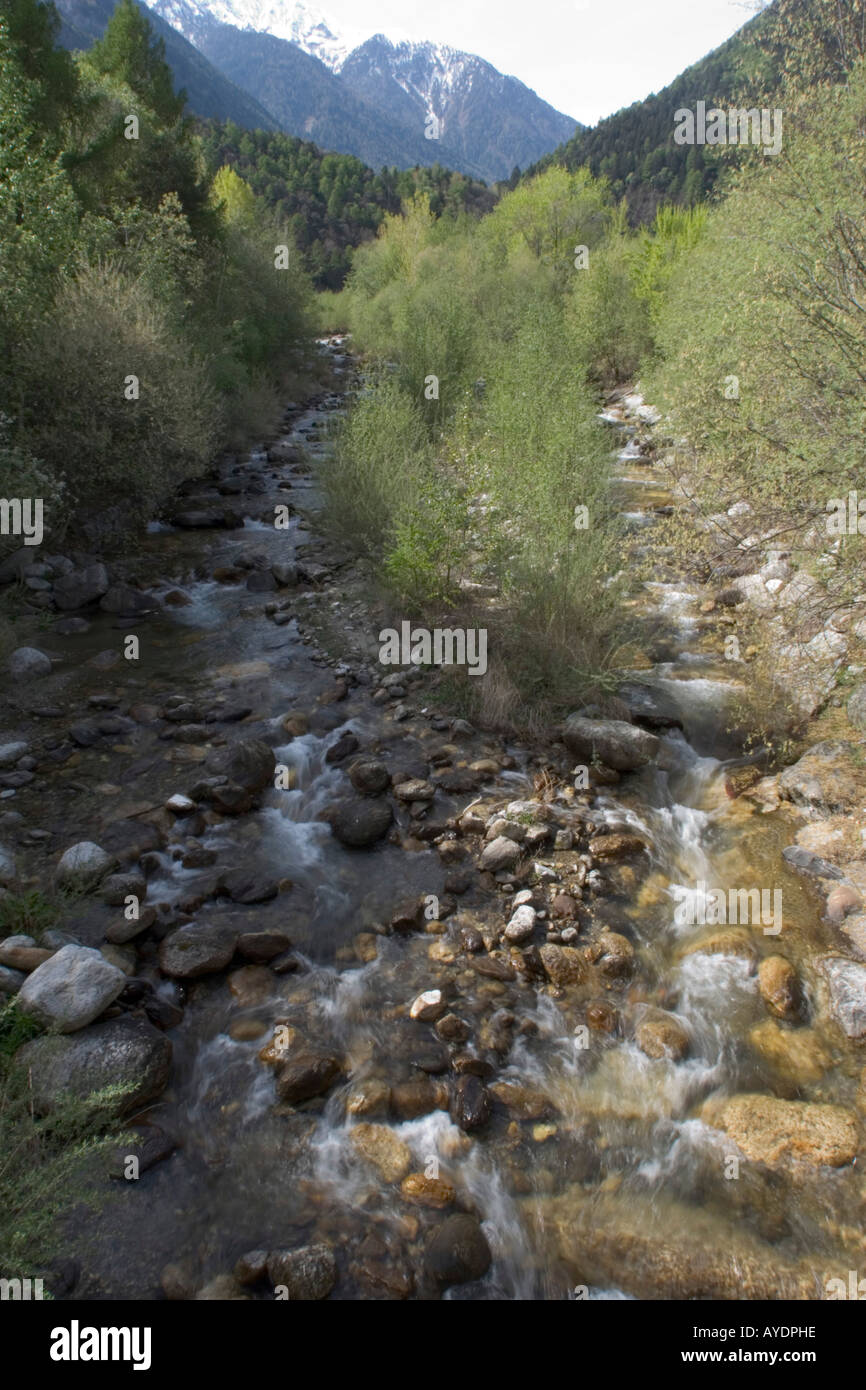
x=142 y=316
x=332 y=202
x=635 y=148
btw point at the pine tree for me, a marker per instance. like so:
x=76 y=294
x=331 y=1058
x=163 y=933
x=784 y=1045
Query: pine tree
x=129 y=52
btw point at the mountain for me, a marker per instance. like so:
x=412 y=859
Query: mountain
x=283 y=19
x=485 y=119
x=635 y=147
x=374 y=101
x=209 y=92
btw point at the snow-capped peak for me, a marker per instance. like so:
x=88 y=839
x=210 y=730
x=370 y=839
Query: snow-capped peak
x=285 y=19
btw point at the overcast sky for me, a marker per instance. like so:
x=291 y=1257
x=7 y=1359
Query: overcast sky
x=586 y=57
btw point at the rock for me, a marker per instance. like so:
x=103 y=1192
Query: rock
x=617 y=958
x=615 y=846
x=501 y=853
x=729 y=941
x=180 y=805
x=809 y=863
x=82 y=866
x=339 y=751
x=250 y=764
x=847 y=983
x=307 y=1275
x=125 y=601
x=360 y=823
x=770 y=1130
x=118 y=887
x=409 y=1099
x=11 y=980
x=824 y=779
x=457 y=1251
x=470 y=1103
x=28 y=663
x=369 y=778
x=662 y=1035
x=197 y=949
x=251 y=1267
x=779 y=987
x=249 y=886
x=416 y=789
x=427 y=1192
x=841 y=901
x=563 y=965
x=8 y=867
x=798 y=1053
x=856 y=707
x=11 y=752
x=71 y=989
x=382 y=1148
x=262 y=946
x=624 y=747
x=428 y=1006
x=21 y=953
x=307 y=1074
x=124 y=1051
x=80 y=587
x=522 y=923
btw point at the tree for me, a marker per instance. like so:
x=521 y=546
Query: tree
x=129 y=52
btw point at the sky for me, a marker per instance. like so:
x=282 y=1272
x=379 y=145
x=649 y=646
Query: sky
x=587 y=58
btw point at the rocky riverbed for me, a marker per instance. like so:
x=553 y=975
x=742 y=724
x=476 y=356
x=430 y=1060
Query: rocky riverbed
x=403 y=1007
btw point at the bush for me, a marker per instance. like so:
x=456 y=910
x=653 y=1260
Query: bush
x=104 y=329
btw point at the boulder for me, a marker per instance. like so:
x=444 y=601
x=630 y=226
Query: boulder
x=359 y=823
x=71 y=989
x=197 y=950
x=80 y=587
x=126 y=1051
x=83 y=866
x=501 y=853
x=779 y=987
x=368 y=777
x=307 y=1275
x=28 y=663
x=383 y=1149
x=250 y=764
x=846 y=980
x=308 y=1073
x=661 y=1035
x=769 y=1130
x=619 y=745
x=457 y=1251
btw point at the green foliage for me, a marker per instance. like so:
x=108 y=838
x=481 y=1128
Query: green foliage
x=120 y=260
x=46 y=1162
x=476 y=517
x=332 y=202
x=772 y=294
x=28 y=914
x=129 y=53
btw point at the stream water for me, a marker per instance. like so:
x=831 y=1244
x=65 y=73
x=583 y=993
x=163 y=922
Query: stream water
x=598 y=1170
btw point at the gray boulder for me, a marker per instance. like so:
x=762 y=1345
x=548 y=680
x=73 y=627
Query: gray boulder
x=28 y=663
x=125 y=1051
x=80 y=587
x=71 y=989
x=197 y=950
x=624 y=747
x=83 y=865
x=847 y=983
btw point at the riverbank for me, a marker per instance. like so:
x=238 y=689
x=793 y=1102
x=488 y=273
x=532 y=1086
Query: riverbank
x=406 y=1010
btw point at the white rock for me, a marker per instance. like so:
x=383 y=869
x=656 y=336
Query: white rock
x=522 y=924
x=83 y=864
x=428 y=1006
x=180 y=804
x=524 y=896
